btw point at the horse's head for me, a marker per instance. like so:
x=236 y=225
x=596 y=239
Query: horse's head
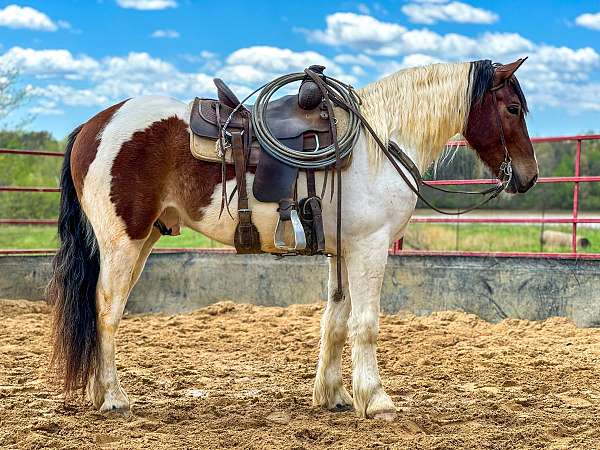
x=496 y=126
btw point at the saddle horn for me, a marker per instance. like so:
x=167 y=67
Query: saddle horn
x=309 y=94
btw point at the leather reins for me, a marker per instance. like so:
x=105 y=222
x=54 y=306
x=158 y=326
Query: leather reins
x=397 y=157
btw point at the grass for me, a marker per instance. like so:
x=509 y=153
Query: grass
x=491 y=238
x=44 y=236
x=420 y=236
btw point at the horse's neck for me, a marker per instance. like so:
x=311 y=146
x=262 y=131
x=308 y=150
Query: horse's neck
x=422 y=155
x=419 y=117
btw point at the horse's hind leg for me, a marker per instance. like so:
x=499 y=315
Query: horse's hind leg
x=329 y=390
x=118 y=260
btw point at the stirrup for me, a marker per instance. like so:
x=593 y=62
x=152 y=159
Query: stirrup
x=299 y=236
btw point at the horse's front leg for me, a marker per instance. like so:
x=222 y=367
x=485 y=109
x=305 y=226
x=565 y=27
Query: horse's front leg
x=329 y=391
x=366 y=259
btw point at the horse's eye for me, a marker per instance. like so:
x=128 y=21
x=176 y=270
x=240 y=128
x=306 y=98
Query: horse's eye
x=514 y=109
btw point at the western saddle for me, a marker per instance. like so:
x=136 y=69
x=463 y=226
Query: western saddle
x=300 y=122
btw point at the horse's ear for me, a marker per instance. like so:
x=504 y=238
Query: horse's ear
x=505 y=71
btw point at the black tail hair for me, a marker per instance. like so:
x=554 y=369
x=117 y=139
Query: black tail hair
x=72 y=289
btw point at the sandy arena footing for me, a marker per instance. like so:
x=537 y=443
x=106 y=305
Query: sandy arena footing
x=240 y=376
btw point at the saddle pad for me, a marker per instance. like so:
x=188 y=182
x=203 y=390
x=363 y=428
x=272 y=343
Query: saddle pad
x=206 y=149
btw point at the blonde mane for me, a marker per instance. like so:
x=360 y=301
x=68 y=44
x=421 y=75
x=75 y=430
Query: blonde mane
x=422 y=107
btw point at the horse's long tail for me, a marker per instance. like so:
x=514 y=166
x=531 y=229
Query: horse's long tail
x=72 y=289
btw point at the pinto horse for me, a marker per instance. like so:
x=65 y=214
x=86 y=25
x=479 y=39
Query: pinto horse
x=131 y=164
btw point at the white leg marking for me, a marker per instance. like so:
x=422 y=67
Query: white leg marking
x=117 y=265
x=366 y=260
x=329 y=390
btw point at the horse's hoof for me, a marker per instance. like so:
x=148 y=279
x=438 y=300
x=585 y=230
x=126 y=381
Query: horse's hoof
x=118 y=404
x=341 y=407
x=118 y=410
x=380 y=407
x=388 y=416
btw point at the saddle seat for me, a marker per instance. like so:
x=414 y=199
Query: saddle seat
x=285 y=119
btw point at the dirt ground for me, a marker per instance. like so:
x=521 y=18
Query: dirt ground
x=240 y=376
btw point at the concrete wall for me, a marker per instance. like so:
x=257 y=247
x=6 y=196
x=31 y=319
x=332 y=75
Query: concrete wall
x=493 y=288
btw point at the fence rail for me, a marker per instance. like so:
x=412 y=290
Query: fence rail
x=574 y=219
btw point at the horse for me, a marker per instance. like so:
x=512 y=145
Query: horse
x=130 y=165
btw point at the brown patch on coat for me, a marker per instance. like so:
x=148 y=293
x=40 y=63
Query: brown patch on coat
x=154 y=164
x=86 y=145
x=483 y=134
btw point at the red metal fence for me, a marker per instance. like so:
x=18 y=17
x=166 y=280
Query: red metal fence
x=574 y=220
x=576 y=179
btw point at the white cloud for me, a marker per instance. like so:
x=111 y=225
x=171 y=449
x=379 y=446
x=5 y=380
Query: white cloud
x=253 y=65
x=208 y=55
x=504 y=44
x=15 y=16
x=99 y=82
x=567 y=59
x=589 y=20
x=418 y=59
x=431 y=12
x=166 y=34
x=243 y=73
x=363 y=8
x=357 y=30
x=375 y=37
x=48 y=63
x=140 y=73
x=69 y=96
x=147 y=5
x=105 y=81
x=358 y=71
x=552 y=77
x=275 y=59
x=208 y=61
x=414 y=60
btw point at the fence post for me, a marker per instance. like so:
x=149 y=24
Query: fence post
x=576 y=196
x=398 y=246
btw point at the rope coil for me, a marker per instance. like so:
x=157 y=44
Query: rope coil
x=315 y=159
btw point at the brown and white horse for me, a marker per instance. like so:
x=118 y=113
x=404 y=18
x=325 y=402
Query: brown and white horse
x=131 y=164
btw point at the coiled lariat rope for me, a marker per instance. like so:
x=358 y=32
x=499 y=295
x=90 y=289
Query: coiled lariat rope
x=307 y=159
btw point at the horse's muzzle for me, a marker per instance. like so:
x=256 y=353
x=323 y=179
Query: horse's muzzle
x=517 y=185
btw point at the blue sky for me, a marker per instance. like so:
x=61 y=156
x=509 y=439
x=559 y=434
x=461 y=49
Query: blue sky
x=77 y=57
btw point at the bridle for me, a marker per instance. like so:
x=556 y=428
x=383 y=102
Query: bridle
x=396 y=155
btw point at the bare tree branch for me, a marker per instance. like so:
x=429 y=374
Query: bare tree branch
x=12 y=94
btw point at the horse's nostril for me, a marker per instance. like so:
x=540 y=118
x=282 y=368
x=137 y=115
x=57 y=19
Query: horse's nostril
x=525 y=188
x=533 y=181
